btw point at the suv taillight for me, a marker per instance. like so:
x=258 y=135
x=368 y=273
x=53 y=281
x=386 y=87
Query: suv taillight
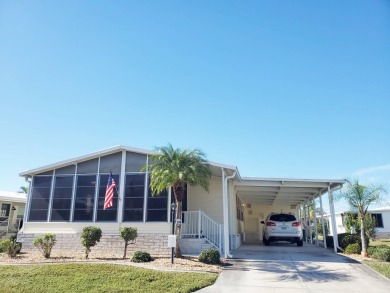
x=296 y=224
x=271 y=224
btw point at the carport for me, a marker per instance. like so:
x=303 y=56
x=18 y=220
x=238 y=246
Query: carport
x=297 y=195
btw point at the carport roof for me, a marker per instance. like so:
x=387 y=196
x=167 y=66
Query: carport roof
x=286 y=191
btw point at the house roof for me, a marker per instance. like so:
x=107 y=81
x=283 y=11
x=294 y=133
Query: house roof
x=215 y=167
x=13 y=196
x=382 y=209
x=270 y=191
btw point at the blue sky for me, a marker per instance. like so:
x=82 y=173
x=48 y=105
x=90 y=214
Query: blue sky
x=277 y=88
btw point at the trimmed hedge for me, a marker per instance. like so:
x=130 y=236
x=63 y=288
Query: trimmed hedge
x=12 y=248
x=381 y=253
x=370 y=250
x=353 y=248
x=141 y=256
x=345 y=239
x=210 y=256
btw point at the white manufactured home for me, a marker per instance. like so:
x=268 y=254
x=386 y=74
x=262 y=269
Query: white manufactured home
x=382 y=222
x=12 y=205
x=66 y=196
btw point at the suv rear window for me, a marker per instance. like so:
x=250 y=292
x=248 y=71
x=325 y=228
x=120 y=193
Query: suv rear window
x=282 y=218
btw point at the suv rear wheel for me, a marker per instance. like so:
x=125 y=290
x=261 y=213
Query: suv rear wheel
x=265 y=241
x=299 y=242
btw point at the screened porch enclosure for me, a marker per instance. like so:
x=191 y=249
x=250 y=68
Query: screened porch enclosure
x=76 y=192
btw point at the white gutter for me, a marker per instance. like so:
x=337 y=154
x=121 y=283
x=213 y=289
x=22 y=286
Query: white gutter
x=226 y=213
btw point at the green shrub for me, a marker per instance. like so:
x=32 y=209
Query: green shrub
x=45 y=244
x=370 y=250
x=381 y=253
x=12 y=248
x=141 y=256
x=210 y=256
x=353 y=248
x=128 y=234
x=347 y=239
x=90 y=236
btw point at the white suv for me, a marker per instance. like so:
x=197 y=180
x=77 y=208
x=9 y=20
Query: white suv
x=282 y=227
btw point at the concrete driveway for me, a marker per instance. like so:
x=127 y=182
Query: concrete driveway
x=288 y=268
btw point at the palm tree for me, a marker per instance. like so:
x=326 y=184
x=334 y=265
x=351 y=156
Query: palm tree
x=175 y=168
x=23 y=189
x=359 y=197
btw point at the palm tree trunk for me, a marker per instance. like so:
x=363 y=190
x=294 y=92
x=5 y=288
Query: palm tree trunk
x=178 y=229
x=363 y=236
x=178 y=192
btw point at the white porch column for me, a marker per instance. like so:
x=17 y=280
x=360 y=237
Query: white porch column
x=311 y=233
x=225 y=217
x=315 y=220
x=333 y=217
x=121 y=195
x=322 y=221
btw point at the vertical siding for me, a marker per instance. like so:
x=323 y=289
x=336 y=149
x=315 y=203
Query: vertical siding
x=210 y=202
x=235 y=224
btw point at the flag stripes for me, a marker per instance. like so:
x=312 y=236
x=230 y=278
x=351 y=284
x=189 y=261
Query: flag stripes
x=109 y=198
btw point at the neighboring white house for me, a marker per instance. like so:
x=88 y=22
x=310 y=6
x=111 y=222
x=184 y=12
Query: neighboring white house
x=382 y=219
x=66 y=196
x=12 y=205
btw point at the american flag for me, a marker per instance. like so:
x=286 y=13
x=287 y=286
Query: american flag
x=109 y=192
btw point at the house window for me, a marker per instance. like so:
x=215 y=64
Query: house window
x=40 y=198
x=378 y=220
x=133 y=206
x=84 y=199
x=109 y=214
x=5 y=209
x=62 y=198
x=239 y=209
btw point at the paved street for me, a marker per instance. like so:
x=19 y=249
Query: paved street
x=288 y=268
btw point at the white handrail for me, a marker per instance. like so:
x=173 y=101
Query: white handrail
x=197 y=224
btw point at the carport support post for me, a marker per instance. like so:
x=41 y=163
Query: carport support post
x=311 y=233
x=299 y=212
x=225 y=203
x=333 y=217
x=305 y=220
x=315 y=220
x=322 y=221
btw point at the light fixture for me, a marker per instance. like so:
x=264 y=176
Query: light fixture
x=13 y=208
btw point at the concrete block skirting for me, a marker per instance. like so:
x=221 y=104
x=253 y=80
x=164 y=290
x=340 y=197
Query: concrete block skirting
x=110 y=244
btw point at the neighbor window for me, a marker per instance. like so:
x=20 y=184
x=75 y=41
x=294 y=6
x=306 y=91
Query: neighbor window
x=378 y=220
x=5 y=208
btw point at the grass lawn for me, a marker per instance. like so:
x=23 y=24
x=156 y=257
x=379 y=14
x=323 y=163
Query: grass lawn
x=380 y=242
x=98 y=278
x=381 y=267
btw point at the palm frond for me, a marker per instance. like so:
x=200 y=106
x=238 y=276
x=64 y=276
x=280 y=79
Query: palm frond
x=172 y=167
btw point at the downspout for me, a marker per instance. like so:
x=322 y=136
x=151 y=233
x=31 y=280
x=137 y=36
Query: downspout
x=27 y=206
x=226 y=213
